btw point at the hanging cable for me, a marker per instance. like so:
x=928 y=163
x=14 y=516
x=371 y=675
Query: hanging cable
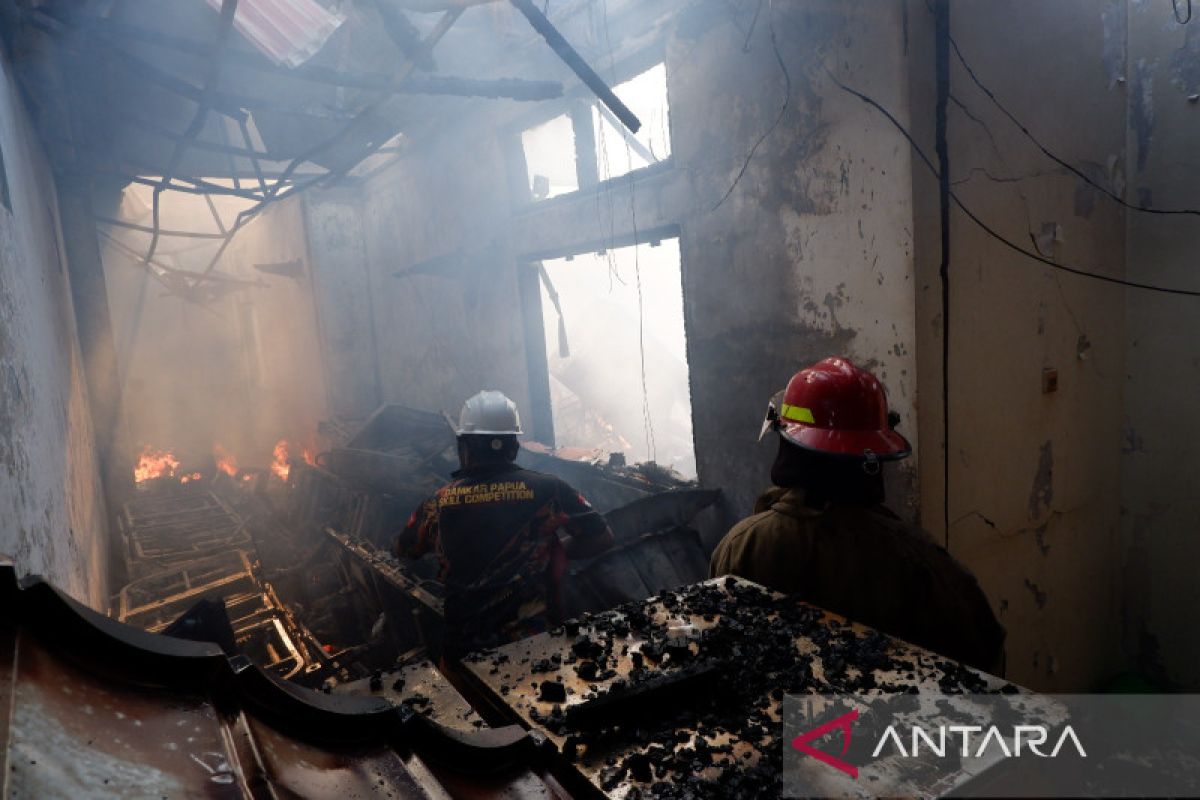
x=1056 y=159
x=787 y=99
x=1184 y=20
x=647 y=420
x=991 y=231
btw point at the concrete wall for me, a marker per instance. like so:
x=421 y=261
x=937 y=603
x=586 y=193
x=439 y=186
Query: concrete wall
x=1161 y=491
x=440 y=334
x=1034 y=477
x=827 y=244
x=810 y=254
x=52 y=514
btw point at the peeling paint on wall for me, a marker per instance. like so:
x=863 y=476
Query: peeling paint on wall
x=1042 y=494
x=52 y=517
x=1116 y=35
x=1039 y=596
x=1185 y=62
x=1141 y=109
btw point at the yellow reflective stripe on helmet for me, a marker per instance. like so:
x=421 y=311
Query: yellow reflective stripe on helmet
x=797 y=414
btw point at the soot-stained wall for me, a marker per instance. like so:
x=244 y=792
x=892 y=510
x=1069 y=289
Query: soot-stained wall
x=1034 y=476
x=447 y=328
x=52 y=512
x=808 y=256
x=825 y=242
x=800 y=252
x=1161 y=490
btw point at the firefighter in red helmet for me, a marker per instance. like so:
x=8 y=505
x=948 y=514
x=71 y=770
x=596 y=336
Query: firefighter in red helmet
x=823 y=534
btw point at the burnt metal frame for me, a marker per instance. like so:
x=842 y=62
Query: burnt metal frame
x=529 y=267
x=102 y=646
x=210 y=98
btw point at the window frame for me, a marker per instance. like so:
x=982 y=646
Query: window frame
x=533 y=315
x=576 y=103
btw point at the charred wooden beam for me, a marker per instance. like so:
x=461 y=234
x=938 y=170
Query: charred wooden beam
x=367 y=115
x=575 y=61
x=404 y=34
x=200 y=144
x=211 y=79
x=133 y=226
x=510 y=88
x=144 y=69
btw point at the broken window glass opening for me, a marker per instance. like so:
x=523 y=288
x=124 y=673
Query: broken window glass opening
x=550 y=158
x=619 y=152
x=621 y=383
x=579 y=149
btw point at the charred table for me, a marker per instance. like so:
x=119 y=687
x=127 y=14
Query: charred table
x=423 y=689
x=680 y=696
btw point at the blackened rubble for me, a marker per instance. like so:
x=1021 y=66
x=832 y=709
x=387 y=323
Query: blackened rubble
x=680 y=696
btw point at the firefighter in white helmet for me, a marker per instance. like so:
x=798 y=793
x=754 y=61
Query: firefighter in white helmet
x=495 y=530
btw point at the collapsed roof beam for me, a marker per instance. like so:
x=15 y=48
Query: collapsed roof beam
x=510 y=88
x=444 y=24
x=404 y=34
x=211 y=80
x=156 y=231
x=575 y=61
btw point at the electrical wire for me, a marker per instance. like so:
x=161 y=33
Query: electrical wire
x=1056 y=159
x=647 y=418
x=991 y=231
x=787 y=99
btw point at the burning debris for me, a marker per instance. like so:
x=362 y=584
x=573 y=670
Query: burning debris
x=280 y=462
x=225 y=460
x=153 y=464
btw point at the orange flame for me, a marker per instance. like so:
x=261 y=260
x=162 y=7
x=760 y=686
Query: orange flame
x=154 y=463
x=225 y=460
x=195 y=476
x=280 y=465
x=309 y=458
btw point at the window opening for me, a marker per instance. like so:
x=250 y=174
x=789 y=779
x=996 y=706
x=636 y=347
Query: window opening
x=598 y=404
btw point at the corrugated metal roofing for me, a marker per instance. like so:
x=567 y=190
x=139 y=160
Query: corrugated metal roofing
x=289 y=32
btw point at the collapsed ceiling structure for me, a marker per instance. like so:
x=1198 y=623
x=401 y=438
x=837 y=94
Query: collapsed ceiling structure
x=261 y=102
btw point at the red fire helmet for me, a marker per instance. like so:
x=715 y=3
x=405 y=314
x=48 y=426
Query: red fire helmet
x=834 y=407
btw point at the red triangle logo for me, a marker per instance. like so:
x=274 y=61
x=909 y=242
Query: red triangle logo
x=843 y=722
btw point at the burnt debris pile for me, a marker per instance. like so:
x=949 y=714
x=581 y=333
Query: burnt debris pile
x=680 y=696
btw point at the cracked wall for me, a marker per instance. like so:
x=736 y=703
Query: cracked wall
x=1161 y=497
x=51 y=502
x=809 y=254
x=1034 y=476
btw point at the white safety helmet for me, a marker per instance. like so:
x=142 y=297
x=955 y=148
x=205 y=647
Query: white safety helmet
x=489 y=413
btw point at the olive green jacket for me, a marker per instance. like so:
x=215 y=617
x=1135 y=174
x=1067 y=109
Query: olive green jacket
x=869 y=566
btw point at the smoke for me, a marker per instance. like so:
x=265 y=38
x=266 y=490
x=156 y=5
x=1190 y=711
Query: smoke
x=597 y=392
x=212 y=368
